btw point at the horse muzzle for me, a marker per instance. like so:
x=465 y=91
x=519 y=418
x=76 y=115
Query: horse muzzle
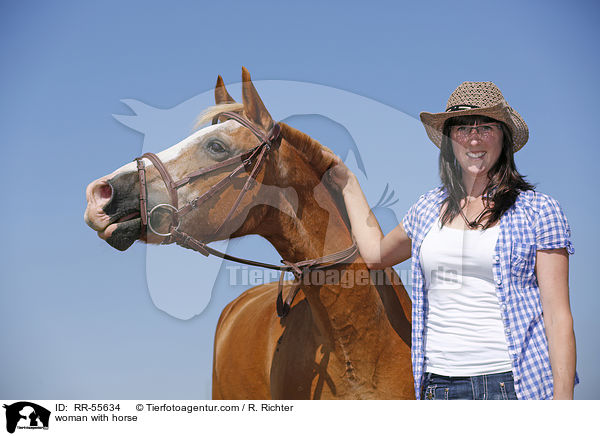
x=113 y=209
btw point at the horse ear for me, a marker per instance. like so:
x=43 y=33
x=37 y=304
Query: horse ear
x=254 y=108
x=221 y=94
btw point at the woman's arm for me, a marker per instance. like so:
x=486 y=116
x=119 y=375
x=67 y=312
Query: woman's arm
x=552 y=270
x=377 y=251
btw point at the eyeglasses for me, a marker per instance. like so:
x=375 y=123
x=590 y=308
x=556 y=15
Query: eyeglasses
x=483 y=130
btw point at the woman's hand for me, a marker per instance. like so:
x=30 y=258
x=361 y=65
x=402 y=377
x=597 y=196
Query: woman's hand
x=338 y=173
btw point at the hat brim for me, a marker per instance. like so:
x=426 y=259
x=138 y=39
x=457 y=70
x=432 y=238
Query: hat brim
x=434 y=122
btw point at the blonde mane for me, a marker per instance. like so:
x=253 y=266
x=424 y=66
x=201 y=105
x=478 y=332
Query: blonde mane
x=209 y=113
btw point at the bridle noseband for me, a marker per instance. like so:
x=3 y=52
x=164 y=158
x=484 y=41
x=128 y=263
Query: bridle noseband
x=269 y=141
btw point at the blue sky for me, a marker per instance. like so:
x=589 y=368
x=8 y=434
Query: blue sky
x=78 y=316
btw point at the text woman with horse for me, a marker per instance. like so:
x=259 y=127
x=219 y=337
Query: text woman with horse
x=490 y=260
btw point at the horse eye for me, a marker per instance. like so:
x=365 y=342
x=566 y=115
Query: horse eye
x=216 y=147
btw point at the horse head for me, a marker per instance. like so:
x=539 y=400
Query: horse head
x=289 y=164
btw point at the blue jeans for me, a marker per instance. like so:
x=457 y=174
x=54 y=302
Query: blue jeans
x=499 y=386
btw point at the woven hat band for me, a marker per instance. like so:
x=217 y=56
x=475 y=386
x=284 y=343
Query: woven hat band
x=460 y=107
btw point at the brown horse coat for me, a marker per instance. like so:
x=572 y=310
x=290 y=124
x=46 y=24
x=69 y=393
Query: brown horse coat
x=337 y=342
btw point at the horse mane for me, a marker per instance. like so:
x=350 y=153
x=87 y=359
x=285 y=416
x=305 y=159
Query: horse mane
x=320 y=162
x=207 y=115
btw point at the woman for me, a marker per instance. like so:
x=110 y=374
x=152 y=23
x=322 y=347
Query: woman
x=491 y=314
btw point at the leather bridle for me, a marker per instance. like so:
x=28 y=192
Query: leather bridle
x=269 y=141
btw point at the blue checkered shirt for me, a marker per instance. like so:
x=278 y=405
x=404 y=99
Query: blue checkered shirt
x=534 y=222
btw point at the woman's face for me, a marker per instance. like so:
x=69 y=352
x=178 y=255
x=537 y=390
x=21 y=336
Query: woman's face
x=477 y=147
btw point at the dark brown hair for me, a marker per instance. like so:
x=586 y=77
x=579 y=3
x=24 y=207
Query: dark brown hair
x=504 y=181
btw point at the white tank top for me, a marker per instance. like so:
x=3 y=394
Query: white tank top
x=464 y=333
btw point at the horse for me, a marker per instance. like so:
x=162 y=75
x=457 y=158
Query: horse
x=347 y=334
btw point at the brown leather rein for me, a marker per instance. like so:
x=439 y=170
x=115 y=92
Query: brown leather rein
x=258 y=153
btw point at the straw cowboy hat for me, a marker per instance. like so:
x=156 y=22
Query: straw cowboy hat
x=477 y=98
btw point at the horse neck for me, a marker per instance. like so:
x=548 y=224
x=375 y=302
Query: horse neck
x=314 y=229
x=310 y=225
x=351 y=317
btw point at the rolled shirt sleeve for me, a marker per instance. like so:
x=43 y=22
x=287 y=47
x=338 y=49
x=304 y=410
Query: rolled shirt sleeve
x=552 y=229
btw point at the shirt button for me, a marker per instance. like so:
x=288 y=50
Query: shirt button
x=497 y=258
x=498 y=282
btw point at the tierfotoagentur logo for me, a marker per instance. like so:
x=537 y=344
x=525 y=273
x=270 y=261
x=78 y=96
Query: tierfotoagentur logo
x=242 y=275
x=24 y=415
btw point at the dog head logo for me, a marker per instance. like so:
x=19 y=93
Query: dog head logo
x=26 y=415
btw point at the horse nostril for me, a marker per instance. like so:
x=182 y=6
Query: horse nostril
x=102 y=192
x=105 y=191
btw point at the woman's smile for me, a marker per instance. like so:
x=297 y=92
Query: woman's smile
x=476 y=155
